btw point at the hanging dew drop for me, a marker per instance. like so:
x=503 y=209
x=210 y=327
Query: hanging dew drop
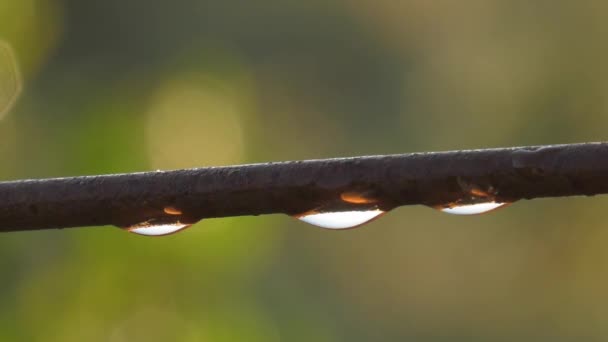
x=351 y=209
x=157 y=229
x=481 y=199
x=473 y=209
x=341 y=219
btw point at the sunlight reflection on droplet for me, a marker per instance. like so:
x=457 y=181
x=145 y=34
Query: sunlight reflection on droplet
x=172 y=211
x=10 y=80
x=473 y=209
x=342 y=219
x=356 y=197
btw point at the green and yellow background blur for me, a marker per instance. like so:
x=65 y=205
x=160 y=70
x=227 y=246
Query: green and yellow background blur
x=132 y=85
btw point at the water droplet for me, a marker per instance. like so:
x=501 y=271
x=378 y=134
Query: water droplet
x=340 y=219
x=472 y=209
x=10 y=79
x=157 y=229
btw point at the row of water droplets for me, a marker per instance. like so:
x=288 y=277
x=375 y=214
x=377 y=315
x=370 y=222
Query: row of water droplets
x=356 y=209
x=361 y=208
x=478 y=202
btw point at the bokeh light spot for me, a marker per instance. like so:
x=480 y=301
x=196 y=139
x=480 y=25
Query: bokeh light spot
x=10 y=79
x=194 y=121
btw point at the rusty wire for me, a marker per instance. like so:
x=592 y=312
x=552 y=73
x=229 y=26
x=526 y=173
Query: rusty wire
x=386 y=182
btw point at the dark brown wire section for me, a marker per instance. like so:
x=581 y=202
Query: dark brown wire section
x=433 y=179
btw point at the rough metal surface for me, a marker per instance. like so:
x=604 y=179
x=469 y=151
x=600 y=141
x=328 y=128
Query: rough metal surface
x=433 y=179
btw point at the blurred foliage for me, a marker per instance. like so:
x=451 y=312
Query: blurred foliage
x=121 y=86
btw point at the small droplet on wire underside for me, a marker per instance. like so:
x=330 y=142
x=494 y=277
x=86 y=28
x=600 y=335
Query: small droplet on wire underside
x=150 y=228
x=340 y=219
x=480 y=200
x=472 y=209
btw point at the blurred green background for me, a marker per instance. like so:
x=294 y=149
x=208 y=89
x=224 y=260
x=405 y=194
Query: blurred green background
x=121 y=86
